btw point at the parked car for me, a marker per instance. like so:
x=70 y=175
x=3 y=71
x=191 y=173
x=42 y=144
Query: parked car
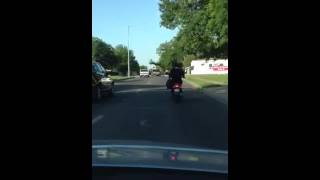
x=144 y=73
x=102 y=85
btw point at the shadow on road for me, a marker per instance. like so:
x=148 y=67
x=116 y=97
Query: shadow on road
x=145 y=110
x=127 y=80
x=138 y=86
x=156 y=116
x=212 y=85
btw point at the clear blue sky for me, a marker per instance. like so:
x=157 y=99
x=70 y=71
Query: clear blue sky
x=110 y=20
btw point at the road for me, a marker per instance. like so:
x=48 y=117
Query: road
x=142 y=109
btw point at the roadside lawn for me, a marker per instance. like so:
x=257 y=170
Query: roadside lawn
x=205 y=81
x=119 y=78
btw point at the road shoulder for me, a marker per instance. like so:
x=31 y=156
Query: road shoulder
x=219 y=93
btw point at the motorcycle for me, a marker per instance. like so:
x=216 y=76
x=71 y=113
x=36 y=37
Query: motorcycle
x=176 y=91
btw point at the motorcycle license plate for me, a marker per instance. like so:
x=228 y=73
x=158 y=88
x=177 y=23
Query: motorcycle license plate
x=176 y=90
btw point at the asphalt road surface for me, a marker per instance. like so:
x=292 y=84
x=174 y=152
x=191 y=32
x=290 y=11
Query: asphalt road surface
x=143 y=109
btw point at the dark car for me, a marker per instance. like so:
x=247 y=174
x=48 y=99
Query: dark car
x=102 y=85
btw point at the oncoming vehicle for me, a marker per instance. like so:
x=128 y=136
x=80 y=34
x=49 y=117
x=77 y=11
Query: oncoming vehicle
x=144 y=73
x=101 y=84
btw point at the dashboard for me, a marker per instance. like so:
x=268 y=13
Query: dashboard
x=101 y=173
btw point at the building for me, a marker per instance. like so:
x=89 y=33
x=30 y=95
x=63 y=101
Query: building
x=211 y=66
x=152 y=66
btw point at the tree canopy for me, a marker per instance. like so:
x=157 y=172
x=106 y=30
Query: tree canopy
x=110 y=57
x=143 y=67
x=121 y=53
x=203 y=29
x=103 y=53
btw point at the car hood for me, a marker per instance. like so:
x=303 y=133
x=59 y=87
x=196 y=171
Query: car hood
x=158 y=155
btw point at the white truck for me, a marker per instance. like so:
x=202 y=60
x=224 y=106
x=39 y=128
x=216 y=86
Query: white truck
x=144 y=73
x=202 y=66
x=156 y=72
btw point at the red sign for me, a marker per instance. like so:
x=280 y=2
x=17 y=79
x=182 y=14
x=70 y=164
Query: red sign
x=220 y=68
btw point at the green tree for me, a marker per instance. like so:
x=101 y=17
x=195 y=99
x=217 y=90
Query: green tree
x=202 y=25
x=121 y=52
x=134 y=66
x=143 y=67
x=152 y=62
x=103 y=53
x=187 y=60
x=169 y=52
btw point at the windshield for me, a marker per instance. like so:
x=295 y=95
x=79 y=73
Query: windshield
x=182 y=111
x=100 y=67
x=96 y=67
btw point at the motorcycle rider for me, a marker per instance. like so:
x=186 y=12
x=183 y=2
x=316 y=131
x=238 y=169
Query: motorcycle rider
x=176 y=74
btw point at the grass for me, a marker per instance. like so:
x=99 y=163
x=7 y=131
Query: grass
x=205 y=81
x=119 y=78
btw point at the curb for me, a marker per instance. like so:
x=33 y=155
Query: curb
x=116 y=80
x=216 y=96
x=194 y=85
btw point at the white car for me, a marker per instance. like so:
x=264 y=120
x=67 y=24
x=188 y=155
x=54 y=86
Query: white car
x=156 y=72
x=144 y=73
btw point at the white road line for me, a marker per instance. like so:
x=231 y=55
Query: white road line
x=96 y=119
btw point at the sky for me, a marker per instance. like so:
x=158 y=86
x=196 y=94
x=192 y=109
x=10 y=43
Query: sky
x=110 y=20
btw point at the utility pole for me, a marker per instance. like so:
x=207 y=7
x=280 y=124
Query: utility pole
x=128 y=53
